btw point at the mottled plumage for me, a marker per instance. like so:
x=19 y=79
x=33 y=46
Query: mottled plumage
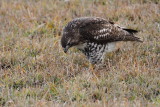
x=94 y=37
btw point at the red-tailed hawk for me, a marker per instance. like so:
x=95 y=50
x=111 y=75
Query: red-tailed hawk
x=95 y=36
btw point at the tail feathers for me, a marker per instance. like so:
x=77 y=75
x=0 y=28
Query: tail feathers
x=137 y=39
x=132 y=37
x=130 y=30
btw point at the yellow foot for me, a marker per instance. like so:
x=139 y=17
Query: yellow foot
x=91 y=67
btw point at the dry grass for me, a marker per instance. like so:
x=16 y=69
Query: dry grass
x=34 y=71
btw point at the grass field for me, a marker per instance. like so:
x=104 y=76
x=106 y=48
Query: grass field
x=34 y=70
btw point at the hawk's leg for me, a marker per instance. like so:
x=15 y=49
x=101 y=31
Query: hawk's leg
x=95 y=53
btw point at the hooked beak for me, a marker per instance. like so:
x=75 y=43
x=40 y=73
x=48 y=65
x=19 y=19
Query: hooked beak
x=66 y=49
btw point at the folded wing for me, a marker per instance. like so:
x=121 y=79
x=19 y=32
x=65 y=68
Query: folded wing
x=105 y=31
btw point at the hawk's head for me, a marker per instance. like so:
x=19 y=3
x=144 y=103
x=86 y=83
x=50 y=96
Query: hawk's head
x=69 y=39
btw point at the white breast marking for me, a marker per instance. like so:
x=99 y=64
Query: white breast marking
x=81 y=46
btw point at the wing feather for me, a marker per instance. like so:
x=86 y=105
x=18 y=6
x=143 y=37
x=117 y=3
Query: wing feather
x=105 y=31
